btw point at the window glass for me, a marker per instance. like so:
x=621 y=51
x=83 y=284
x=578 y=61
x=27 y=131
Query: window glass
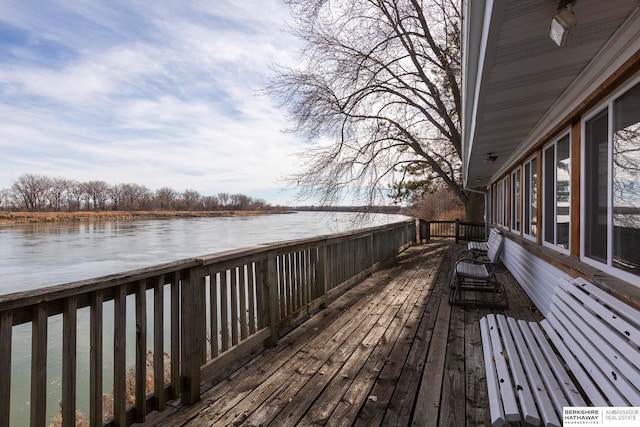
x=563 y=179
x=505 y=197
x=515 y=200
x=549 y=194
x=596 y=182
x=626 y=181
x=530 y=197
x=534 y=197
x=527 y=198
x=557 y=179
x=499 y=203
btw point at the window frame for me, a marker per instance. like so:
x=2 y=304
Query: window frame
x=608 y=105
x=543 y=227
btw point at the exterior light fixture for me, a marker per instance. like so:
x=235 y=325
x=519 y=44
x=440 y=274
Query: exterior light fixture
x=563 y=24
x=491 y=158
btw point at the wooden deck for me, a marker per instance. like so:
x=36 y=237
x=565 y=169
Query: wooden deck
x=391 y=351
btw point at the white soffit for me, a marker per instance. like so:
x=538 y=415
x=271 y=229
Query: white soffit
x=524 y=75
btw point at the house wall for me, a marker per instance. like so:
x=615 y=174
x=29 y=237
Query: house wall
x=536 y=276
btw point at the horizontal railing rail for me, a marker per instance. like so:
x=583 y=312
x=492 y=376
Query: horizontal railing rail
x=192 y=320
x=459 y=230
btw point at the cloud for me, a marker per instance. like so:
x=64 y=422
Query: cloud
x=160 y=94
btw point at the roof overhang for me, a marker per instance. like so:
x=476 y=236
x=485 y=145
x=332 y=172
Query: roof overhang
x=518 y=84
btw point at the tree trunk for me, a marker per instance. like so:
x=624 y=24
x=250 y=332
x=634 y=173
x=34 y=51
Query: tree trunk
x=474 y=207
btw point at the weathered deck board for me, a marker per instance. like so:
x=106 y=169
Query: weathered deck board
x=391 y=351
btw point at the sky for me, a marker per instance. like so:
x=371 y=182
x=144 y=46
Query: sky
x=157 y=93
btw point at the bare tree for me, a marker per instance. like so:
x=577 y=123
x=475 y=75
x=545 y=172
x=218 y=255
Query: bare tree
x=379 y=92
x=224 y=199
x=115 y=194
x=57 y=194
x=135 y=197
x=210 y=203
x=191 y=200
x=31 y=191
x=165 y=198
x=74 y=196
x=239 y=201
x=97 y=192
x=5 y=199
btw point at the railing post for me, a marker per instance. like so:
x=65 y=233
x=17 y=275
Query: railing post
x=175 y=335
x=95 y=364
x=69 y=346
x=371 y=250
x=193 y=319
x=6 y=328
x=158 y=343
x=39 y=365
x=457 y=227
x=322 y=275
x=119 y=356
x=141 y=351
x=269 y=294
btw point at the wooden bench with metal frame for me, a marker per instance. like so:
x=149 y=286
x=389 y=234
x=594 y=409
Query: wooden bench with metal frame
x=585 y=353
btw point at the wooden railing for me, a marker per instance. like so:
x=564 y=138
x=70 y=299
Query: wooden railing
x=208 y=315
x=459 y=230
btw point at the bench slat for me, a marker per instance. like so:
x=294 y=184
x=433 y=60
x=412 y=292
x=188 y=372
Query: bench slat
x=495 y=406
x=541 y=391
x=616 y=322
x=523 y=390
x=607 y=376
x=569 y=390
x=512 y=413
x=483 y=246
x=477 y=246
x=610 y=360
x=620 y=340
x=632 y=324
x=597 y=399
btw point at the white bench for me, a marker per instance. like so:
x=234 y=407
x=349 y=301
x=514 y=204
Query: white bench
x=585 y=353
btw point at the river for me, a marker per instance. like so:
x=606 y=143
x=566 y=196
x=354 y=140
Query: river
x=40 y=255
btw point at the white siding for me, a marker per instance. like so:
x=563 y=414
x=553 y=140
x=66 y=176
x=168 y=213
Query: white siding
x=537 y=277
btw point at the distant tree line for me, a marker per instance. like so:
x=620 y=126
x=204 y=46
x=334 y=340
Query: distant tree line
x=37 y=193
x=367 y=209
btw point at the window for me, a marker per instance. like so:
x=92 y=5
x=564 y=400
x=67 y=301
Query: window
x=494 y=204
x=556 y=197
x=596 y=182
x=505 y=198
x=515 y=200
x=612 y=184
x=499 y=203
x=530 y=197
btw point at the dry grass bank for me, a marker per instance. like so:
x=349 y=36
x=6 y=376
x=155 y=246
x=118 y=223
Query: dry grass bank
x=52 y=217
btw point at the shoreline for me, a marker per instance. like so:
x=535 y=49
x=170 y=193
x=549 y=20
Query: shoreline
x=9 y=218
